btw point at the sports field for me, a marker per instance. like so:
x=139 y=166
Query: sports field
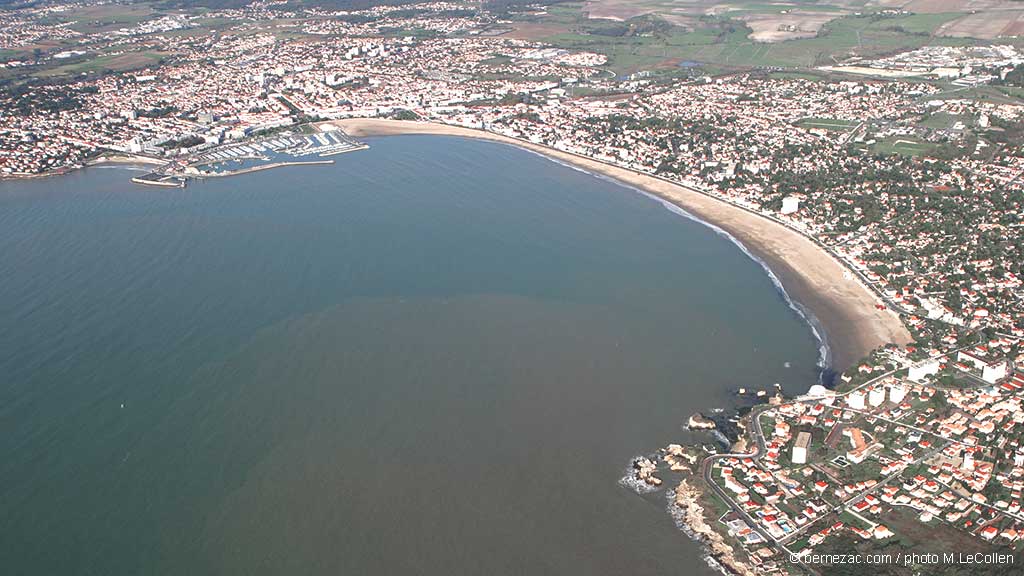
x=833 y=124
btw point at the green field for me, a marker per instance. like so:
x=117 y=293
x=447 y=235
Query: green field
x=828 y=124
x=120 y=63
x=945 y=121
x=903 y=145
x=796 y=75
x=630 y=54
x=723 y=40
x=14 y=54
x=105 y=17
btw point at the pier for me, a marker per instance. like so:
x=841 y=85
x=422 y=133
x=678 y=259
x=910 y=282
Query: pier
x=263 y=167
x=158 y=179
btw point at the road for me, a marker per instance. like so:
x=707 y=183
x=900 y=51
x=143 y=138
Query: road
x=864 y=493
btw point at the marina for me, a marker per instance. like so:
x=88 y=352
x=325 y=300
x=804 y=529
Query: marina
x=327 y=143
x=272 y=165
x=276 y=151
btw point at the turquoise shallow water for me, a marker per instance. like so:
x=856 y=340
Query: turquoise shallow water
x=435 y=357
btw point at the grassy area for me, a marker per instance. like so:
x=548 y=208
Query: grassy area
x=922 y=23
x=828 y=124
x=631 y=53
x=945 y=121
x=119 y=63
x=15 y=54
x=106 y=17
x=714 y=507
x=795 y=76
x=1011 y=91
x=496 y=61
x=851 y=34
x=723 y=41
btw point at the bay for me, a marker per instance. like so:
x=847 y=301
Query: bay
x=436 y=356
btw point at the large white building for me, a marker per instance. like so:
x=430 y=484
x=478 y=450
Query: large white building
x=968 y=459
x=801 y=448
x=990 y=371
x=876 y=396
x=855 y=400
x=790 y=205
x=918 y=372
x=897 y=392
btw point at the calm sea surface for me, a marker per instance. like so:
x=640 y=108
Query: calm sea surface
x=436 y=357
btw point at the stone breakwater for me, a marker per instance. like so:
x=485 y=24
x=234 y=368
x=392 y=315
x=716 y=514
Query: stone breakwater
x=689 y=515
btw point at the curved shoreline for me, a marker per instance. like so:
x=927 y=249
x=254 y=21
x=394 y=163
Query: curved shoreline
x=817 y=329
x=810 y=276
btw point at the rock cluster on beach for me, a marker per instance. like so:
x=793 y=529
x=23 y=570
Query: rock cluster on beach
x=645 y=469
x=678 y=459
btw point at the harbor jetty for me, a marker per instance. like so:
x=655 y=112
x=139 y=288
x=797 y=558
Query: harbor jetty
x=261 y=167
x=159 y=179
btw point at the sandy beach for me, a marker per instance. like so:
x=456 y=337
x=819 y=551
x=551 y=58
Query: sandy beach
x=846 y=309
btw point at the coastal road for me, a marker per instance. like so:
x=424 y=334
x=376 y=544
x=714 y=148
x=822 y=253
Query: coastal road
x=707 y=465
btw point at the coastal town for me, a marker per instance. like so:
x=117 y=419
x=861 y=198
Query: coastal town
x=906 y=168
x=937 y=442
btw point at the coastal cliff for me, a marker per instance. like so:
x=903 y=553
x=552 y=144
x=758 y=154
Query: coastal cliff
x=686 y=500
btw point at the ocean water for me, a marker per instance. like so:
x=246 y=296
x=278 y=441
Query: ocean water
x=436 y=357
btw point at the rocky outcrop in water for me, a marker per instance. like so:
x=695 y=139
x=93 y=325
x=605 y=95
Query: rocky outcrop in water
x=700 y=422
x=645 y=469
